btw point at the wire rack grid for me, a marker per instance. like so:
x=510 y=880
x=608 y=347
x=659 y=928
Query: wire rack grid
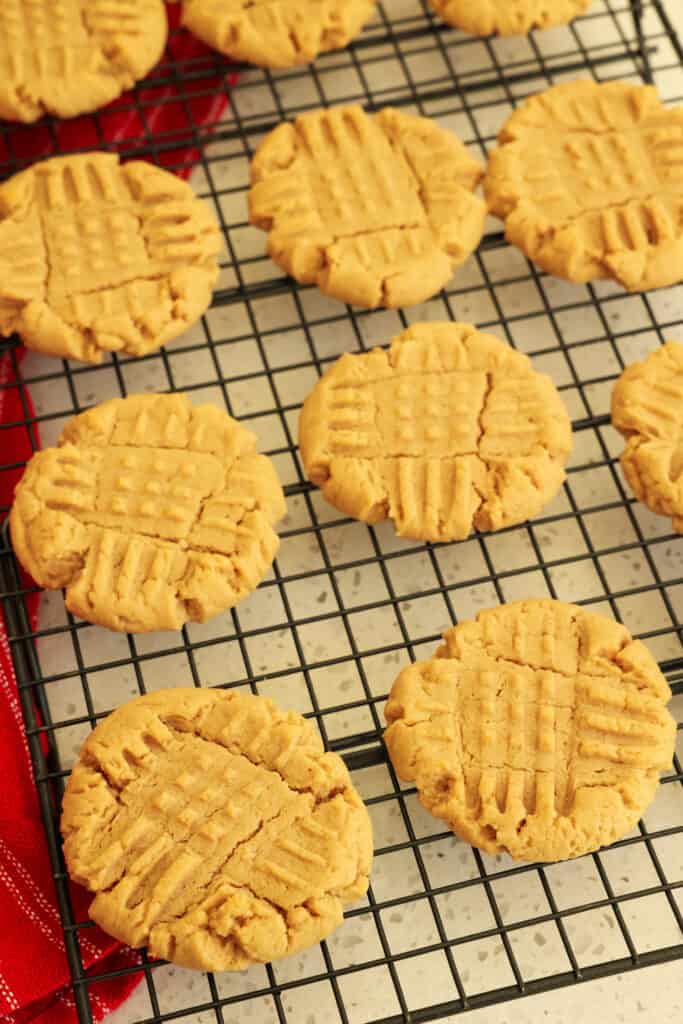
x=444 y=928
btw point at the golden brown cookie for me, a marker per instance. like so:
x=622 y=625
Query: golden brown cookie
x=376 y=209
x=508 y=17
x=97 y=256
x=151 y=513
x=589 y=183
x=276 y=33
x=214 y=829
x=447 y=430
x=68 y=57
x=538 y=730
x=647 y=408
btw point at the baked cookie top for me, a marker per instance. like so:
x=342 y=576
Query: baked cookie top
x=508 y=17
x=151 y=513
x=538 y=730
x=376 y=209
x=647 y=408
x=276 y=33
x=588 y=182
x=214 y=829
x=447 y=430
x=98 y=256
x=68 y=57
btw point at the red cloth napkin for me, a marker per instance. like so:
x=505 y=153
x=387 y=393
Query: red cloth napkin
x=158 y=117
x=34 y=974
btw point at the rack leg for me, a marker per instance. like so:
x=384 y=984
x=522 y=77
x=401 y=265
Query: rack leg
x=637 y=14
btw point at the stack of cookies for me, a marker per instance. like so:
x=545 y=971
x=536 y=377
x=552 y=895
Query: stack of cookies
x=211 y=826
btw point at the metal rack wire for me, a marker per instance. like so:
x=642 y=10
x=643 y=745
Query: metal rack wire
x=347 y=604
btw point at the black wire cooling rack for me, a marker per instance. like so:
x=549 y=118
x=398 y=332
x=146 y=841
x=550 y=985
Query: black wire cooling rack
x=444 y=928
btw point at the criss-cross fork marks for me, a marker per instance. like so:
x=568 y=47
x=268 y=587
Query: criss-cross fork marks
x=180 y=525
x=641 y=179
x=108 y=256
x=449 y=429
x=361 y=183
x=590 y=181
x=426 y=432
x=588 y=163
x=436 y=416
x=431 y=415
x=152 y=492
x=275 y=34
x=157 y=524
x=207 y=816
x=41 y=39
x=71 y=56
x=36 y=27
x=540 y=728
x=508 y=17
x=215 y=829
x=524 y=738
x=374 y=208
x=104 y=224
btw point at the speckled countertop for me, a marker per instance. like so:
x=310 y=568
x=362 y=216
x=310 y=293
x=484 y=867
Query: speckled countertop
x=654 y=993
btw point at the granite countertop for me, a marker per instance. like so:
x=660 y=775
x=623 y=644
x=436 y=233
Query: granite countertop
x=653 y=993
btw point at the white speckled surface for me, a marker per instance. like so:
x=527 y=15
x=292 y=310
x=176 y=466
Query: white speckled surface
x=595 y=935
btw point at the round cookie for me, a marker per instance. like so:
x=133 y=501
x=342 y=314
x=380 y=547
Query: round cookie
x=589 y=184
x=150 y=513
x=507 y=17
x=276 y=33
x=98 y=256
x=647 y=408
x=447 y=430
x=68 y=57
x=214 y=829
x=539 y=730
x=376 y=209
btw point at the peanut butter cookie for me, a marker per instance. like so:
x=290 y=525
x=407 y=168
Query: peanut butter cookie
x=214 y=829
x=590 y=185
x=151 y=513
x=273 y=33
x=647 y=408
x=97 y=256
x=538 y=730
x=68 y=57
x=376 y=209
x=508 y=17
x=448 y=430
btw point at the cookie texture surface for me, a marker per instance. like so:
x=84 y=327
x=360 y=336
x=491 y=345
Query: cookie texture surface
x=377 y=210
x=98 y=256
x=150 y=513
x=276 y=33
x=214 y=829
x=508 y=17
x=538 y=730
x=447 y=430
x=68 y=57
x=589 y=183
x=647 y=408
